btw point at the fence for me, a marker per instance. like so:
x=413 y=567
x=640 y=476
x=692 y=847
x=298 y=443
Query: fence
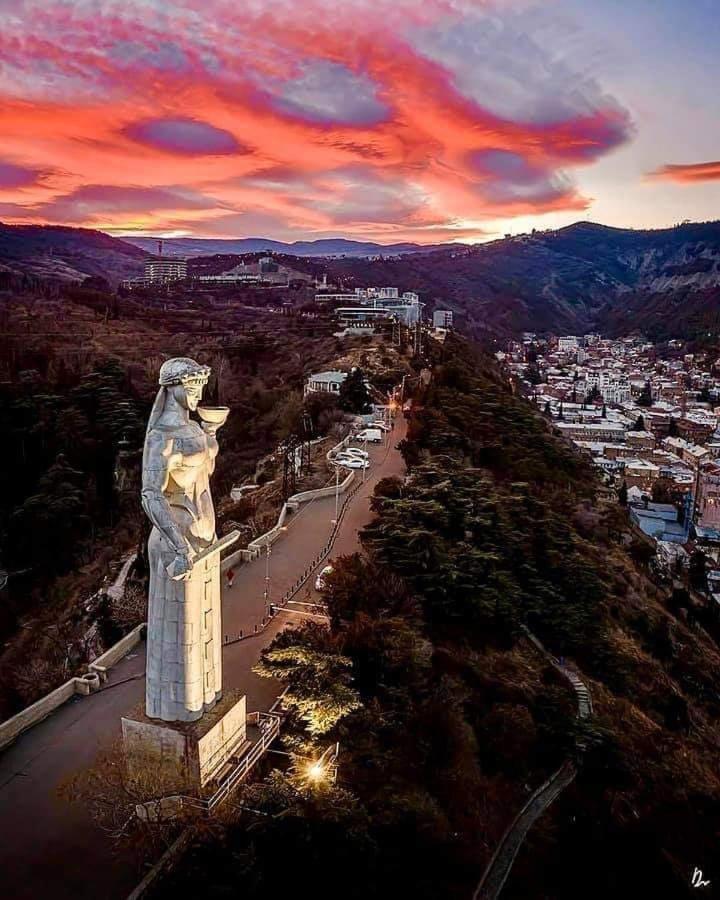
x=269 y=724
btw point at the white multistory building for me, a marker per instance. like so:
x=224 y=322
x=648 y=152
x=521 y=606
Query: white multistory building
x=614 y=387
x=569 y=342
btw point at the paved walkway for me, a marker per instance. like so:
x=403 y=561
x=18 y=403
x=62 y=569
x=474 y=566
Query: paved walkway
x=50 y=848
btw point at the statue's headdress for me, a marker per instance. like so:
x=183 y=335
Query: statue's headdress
x=182 y=370
x=179 y=370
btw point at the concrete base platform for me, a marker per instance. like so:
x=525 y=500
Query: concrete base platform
x=186 y=756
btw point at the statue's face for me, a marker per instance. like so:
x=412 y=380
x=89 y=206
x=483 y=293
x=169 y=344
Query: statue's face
x=188 y=395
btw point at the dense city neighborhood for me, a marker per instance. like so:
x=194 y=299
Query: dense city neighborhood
x=648 y=416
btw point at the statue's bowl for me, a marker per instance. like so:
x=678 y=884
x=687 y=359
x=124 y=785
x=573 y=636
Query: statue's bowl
x=214 y=415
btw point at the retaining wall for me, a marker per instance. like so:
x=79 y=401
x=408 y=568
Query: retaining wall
x=41 y=709
x=119 y=650
x=86 y=684
x=328 y=491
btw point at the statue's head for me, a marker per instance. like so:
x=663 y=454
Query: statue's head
x=184 y=379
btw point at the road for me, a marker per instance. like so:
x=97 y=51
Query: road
x=51 y=848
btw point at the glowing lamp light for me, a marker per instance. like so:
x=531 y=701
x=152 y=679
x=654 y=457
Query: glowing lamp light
x=316 y=771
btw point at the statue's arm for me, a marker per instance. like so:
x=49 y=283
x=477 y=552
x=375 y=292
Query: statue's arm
x=212 y=446
x=157 y=466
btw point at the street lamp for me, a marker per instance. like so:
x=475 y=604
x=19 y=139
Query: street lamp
x=337 y=492
x=266 y=593
x=315 y=771
x=324 y=768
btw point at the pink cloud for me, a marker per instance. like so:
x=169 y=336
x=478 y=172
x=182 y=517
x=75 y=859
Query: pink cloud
x=313 y=118
x=688 y=173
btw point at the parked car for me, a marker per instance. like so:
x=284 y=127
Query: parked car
x=383 y=426
x=352 y=462
x=320 y=582
x=355 y=451
x=371 y=435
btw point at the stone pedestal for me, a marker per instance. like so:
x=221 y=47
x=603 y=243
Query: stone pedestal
x=186 y=756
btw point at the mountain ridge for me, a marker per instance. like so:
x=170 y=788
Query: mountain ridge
x=583 y=277
x=320 y=247
x=66 y=253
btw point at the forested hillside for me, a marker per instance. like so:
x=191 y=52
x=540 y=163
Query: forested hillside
x=575 y=279
x=78 y=373
x=580 y=278
x=448 y=717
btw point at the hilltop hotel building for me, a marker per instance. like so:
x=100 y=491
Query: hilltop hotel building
x=159 y=270
x=375 y=303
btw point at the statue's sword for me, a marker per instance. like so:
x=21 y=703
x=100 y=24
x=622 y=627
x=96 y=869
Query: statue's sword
x=217 y=547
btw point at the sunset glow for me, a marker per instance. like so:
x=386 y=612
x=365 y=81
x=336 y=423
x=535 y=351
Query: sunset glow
x=444 y=120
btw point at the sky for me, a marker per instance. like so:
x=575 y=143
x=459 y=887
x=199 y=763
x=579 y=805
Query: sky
x=384 y=120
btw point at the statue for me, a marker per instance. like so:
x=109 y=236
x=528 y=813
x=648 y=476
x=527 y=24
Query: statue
x=184 y=637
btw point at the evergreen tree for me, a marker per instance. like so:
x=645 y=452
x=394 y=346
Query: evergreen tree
x=696 y=571
x=639 y=424
x=673 y=429
x=354 y=396
x=623 y=494
x=645 y=399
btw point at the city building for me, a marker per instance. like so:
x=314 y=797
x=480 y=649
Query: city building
x=613 y=386
x=325 y=382
x=661 y=521
x=442 y=318
x=569 y=342
x=708 y=499
x=263 y=272
x=592 y=431
x=158 y=270
x=385 y=301
x=161 y=269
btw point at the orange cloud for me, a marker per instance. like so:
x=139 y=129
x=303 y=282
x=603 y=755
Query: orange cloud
x=688 y=173
x=309 y=118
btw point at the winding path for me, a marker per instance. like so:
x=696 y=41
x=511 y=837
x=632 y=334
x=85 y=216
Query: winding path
x=501 y=863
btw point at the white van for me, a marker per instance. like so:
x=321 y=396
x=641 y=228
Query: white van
x=371 y=435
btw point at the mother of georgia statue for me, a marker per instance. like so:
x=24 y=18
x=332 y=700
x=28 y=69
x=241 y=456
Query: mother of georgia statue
x=184 y=645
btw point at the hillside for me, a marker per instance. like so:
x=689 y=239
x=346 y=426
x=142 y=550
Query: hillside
x=68 y=254
x=583 y=277
x=447 y=717
x=78 y=373
x=575 y=279
x=327 y=247
x=684 y=312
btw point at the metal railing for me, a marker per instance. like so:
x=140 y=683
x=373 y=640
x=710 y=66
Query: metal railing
x=269 y=724
x=302 y=579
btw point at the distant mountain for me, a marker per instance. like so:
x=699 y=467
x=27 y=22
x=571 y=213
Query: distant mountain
x=189 y=247
x=574 y=279
x=69 y=254
x=583 y=277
